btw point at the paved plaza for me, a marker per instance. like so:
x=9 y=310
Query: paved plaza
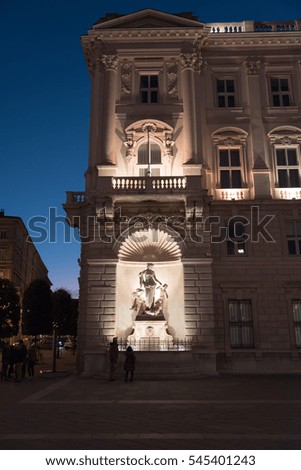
x=65 y=411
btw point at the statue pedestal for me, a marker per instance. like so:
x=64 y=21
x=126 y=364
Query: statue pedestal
x=150 y=335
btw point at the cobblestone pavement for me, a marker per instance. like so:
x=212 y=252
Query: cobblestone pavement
x=65 y=411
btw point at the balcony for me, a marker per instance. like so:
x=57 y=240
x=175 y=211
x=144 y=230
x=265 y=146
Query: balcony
x=232 y=194
x=287 y=193
x=112 y=186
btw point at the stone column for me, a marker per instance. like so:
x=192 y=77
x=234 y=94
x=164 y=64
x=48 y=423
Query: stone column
x=110 y=63
x=257 y=131
x=189 y=63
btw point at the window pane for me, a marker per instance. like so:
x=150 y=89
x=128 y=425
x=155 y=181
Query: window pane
x=236 y=179
x=285 y=100
x=291 y=247
x=154 y=81
x=292 y=157
x=276 y=100
x=280 y=153
x=221 y=102
x=294 y=178
x=297 y=310
x=155 y=154
x=299 y=246
x=144 y=81
x=284 y=84
x=143 y=154
x=154 y=97
x=220 y=85
x=231 y=101
x=241 y=248
x=230 y=86
x=223 y=158
x=282 y=179
x=274 y=84
x=235 y=160
x=144 y=97
x=225 y=179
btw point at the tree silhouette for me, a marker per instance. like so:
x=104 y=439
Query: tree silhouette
x=37 y=308
x=9 y=309
x=62 y=311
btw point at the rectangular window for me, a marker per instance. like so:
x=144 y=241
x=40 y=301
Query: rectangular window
x=241 y=324
x=293 y=237
x=236 y=238
x=225 y=89
x=287 y=165
x=2 y=254
x=280 y=91
x=149 y=88
x=297 y=321
x=230 y=168
x=3 y=234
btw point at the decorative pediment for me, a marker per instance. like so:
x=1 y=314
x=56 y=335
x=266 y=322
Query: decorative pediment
x=149 y=19
x=285 y=135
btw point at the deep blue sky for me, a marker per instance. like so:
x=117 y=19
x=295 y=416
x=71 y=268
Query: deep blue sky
x=45 y=87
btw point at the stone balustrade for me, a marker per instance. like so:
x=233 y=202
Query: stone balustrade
x=149 y=183
x=232 y=194
x=255 y=27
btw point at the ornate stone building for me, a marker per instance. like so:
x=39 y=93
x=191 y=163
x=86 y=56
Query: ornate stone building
x=191 y=216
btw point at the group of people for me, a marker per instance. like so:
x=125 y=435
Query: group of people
x=129 y=361
x=17 y=360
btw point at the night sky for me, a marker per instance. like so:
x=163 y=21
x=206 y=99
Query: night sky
x=45 y=99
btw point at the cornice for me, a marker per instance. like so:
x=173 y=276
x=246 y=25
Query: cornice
x=251 y=40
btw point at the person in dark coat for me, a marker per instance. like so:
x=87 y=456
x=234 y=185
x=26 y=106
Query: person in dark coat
x=20 y=360
x=129 y=363
x=31 y=360
x=113 y=358
x=6 y=353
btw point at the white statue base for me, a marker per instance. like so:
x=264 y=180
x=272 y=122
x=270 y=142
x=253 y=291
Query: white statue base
x=150 y=336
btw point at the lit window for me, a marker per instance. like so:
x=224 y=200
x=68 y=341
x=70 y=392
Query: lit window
x=236 y=238
x=149 y=88
x=287 y=165
x=293 y=237
x=230 y=168
x=280 y=91
x=241 y=324
x=144 y=154
x=225 y=89
x=297 y=321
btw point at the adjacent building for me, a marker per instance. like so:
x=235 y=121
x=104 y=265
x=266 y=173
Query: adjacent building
x=20 y=261
x=191 y=216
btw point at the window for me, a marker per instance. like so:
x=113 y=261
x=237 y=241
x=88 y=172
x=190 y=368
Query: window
x=241 y=324
x=293 y=236
x=225 y=93
x=236 y=238
x=230 y=168
x=297 y=321
x=3 y=234
x=2 y=254
x=149 y=88
x=287 y=165
x=280 y=91
x=155 y=159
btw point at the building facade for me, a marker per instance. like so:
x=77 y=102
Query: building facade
x=191 y=218
x=20 y=261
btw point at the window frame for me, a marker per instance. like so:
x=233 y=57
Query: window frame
x=226 y=94
x=286 y=167
x=240 y=244
x=143 y=167
x=295 y=238
x=280 y=93
x=297 y=324
x=240 y=323
x=230 y=168
x=149 y=89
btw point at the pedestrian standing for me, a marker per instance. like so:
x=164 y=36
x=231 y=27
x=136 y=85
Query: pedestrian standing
x=20 y=360
x=5 y=360
x=31 y=360
x=129 y=364
x=113 y=358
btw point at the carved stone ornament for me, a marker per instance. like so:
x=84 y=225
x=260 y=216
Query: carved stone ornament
x=126 y=80
x=110 y=61
x=130 y=145
x=253 y=65
x=172 y=80
x=190 y=61
x=149 y=127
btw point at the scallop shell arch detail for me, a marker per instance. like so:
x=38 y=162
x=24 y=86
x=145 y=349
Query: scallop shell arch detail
x=149 y=245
